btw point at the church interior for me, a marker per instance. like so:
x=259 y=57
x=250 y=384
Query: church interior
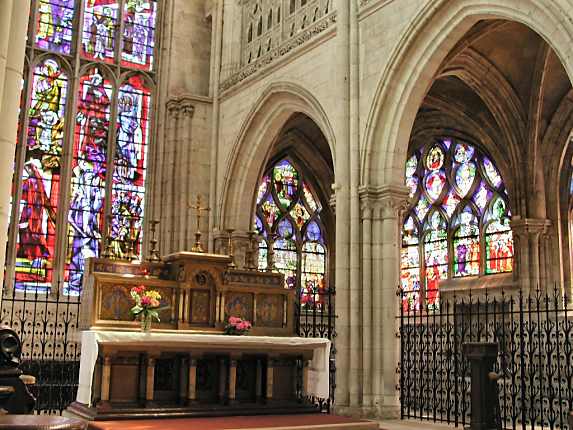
x=286 y=213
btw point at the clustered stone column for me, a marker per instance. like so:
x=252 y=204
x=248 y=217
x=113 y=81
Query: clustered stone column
x=14 y=16
x=532 y=252
x=381 y=210
x=173 y=192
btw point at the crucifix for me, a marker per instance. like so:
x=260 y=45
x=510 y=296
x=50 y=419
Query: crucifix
x=198 y=209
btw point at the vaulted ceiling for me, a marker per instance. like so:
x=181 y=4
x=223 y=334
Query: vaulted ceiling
x=502 y=86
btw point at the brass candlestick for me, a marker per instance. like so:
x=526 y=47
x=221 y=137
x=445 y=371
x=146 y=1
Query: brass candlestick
x=198 y=208
x=271 y=252
x=153 y=252
x=108 y=249
x=250 y=262
x=232 y=264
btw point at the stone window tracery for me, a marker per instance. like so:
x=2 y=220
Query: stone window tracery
x=88 y=93
x=288 y=219
x=458 y=222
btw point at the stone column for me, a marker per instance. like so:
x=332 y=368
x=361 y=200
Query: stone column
x=5 y=18
x=393 y=203
x=10 y=103
x=531 y=256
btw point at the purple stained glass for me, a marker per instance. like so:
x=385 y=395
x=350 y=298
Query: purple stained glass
x=463 y=152
x=54 y=25
x=263 y=188
x=313 y=232
x=491 y=172
x=285 y=229
x=138 y=41
x=411 y=166
x=412 y=184
x=482 y=196
x=99 y=29
x=85 y=218
x=422 y=208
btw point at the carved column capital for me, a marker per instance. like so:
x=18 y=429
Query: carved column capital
x=529 y=226
x=390 y=200
x=180 y=106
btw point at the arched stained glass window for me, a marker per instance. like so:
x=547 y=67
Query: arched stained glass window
x=88 y=94
x=458 y=222
x=287 y=217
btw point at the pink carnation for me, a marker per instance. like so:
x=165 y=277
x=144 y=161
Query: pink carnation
x=234 y=320
x=146 y=301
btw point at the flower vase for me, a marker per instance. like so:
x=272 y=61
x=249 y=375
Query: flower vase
x=145 y=323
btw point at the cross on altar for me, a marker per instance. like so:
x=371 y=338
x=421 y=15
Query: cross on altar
x=198 y=209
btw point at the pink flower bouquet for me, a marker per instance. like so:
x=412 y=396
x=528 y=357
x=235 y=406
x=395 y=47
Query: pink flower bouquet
x=147 y=303
x=237 y=326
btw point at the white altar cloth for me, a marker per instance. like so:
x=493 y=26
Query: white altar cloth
x=318 y=376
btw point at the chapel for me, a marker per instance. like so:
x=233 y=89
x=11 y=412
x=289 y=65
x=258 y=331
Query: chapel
x=393 y=176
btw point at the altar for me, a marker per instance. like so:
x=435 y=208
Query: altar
x=186 y=366
x=121 y=374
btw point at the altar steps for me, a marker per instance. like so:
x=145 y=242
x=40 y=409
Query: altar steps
x=264 y=422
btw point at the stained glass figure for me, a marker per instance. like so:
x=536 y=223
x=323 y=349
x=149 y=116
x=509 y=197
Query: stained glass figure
x=138 y=44
x=132 y=138
x=465 y=175
x=412 y=184
x=435 y=257
x=435 y=158
x=466 y=244
x=263 y=188
x=410 y=267
x=40 y=186
x=434 y=184
x=463 y=152
x=99 y=29
x=85 y=217
x=285 y=179
x=291 y=211
x=54 y=23
x=411 y=166
x=455 y=174
x=482 y=196
x=491 y=172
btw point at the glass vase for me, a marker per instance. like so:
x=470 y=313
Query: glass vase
x=145 y=323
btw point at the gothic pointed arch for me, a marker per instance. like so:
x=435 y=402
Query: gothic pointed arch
x=253 y=147
x=417 y=58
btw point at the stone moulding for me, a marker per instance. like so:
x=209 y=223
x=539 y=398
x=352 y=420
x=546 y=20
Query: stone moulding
x=280 y=51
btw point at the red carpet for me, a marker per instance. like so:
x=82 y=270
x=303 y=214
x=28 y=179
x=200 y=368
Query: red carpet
x=227 y=423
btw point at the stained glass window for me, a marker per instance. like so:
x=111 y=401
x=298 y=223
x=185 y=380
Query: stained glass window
x=458 y=222
x=54 y=25
x=109 y=121
x=40 y=183
x=288 y=219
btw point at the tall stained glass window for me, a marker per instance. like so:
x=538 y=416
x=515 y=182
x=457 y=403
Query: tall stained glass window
x=89 y=94
x=458 y=221
x=287 y=218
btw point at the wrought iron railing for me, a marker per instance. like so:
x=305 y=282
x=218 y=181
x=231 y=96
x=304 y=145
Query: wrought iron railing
x=48 y=328
x=534 y=332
